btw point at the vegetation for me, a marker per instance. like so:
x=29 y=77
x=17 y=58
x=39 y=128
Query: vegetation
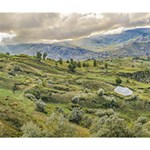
x=39 y=56
x=41 y=99
x=118 y=81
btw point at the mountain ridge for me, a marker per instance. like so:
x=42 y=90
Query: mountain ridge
x=133 y=42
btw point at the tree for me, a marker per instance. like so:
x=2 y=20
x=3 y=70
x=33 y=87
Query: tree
x=56 y=63
x=100 y=92
x=15 y=87
x=58 y=126
x=141 y=128
x=71 y=61
x=38 y=56
x=109 y=126
x=85 y=64
x=67 y=61
x=118 y=80
x=40 y=106
x=60 y=61
x=76 y=115
x=94 y=63
x=72 y=67
x=106 y=66
x=79 y=64
x=75 y=99
x=44 y=55
x=31 y=130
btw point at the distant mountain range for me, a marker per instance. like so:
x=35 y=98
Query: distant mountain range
x=133 y=42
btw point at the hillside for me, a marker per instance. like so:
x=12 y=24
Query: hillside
x=48 y=98
x=133 y=42
x=110 y=42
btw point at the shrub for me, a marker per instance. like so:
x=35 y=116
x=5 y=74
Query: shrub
x=118 y=81
x=109 y=102
x=94 y=63
x=141 y=128
x=38 y=56
x=79 y=64
x=75 y=99
x=86 y=90
x=36 y=91
x=31 y=130
x=90 y=111
x=76 y=115
x=30 y=96
x=100 y=92
x=58 y=126
x=102 y=113
x=142 y=120
x=109 y=126
x=60 y=61
x=86 y=121
x=50 y=82
x=132 y=98
x=85 y=64
x=17 y=68
x=40 y=106
x=72 y=67
x=67 y=61
x=46 y=96
x=12 y=72
x=44 y=55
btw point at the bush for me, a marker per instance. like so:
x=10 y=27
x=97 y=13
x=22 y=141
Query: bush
x=50 y=82
x=76 y=115
x=109 y=126
x=141 y=128
x=58 y=126
x=17 y=68
x=75 y=99
x=40 y=106
x=36 y=91
x=30 y=96
x=100 y=92
x=12 y=72
x=101 y=113
x=86 y=90
x=142 y=120
x=72 y=67
x=31 y=130
x=109 y=102
x=132 y=98
x=86 y=121
x=90 y=111
x=118 y=81
x=46 y=96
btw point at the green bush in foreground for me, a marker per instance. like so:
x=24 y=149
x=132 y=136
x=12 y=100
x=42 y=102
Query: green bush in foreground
x=31 y=130
x=58 y=126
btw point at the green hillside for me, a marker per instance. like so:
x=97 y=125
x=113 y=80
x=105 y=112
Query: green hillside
x=48 y=98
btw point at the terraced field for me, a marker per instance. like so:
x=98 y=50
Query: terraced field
x=45 y=99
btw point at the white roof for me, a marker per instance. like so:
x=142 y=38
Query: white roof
x=123 y=91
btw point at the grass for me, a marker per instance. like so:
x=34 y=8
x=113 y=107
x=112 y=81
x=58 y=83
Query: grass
x=16 y=109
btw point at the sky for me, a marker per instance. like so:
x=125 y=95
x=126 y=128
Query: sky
x=54 y=27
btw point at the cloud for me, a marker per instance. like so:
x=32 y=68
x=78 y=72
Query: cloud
x=39 y=27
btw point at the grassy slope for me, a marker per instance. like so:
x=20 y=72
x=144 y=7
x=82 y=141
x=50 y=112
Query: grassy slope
x=15 y=109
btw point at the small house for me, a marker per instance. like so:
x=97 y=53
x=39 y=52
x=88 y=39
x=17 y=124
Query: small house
x=123 y=91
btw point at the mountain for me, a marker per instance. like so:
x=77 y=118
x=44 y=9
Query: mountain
x=110 y=42
x=133 y=42
x=54 y=51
